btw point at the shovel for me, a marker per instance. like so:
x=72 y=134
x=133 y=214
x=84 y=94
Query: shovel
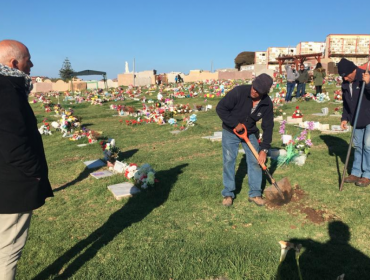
x=279 y=193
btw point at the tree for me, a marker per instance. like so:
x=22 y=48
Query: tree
x=66 y=71
x=244 y=58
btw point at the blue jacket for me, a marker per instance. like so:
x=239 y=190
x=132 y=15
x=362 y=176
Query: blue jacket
x=350 y=103
x=236 y=107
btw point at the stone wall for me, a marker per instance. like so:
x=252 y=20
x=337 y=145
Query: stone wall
x=142 y=79
x=235 y=75
x=198 y=75
x=59 y=85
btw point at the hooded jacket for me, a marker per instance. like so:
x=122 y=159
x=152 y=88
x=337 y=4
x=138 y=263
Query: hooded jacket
x=236 y=107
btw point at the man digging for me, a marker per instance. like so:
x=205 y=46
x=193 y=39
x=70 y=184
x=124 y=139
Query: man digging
x=353 y=77
x=246 y=104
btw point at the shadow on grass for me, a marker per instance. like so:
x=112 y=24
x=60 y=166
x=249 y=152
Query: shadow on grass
x=327 y=260
x=133 y=211
x=338 y=147
x=86 y=172
x=240 y=175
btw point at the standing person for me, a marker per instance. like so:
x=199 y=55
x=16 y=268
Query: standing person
x=159 y=80
x=353 y=78
x=176 y=79
x=24 y=183
x=318 y=77
x=291 y=77
x=246 y=104
x=302 y=80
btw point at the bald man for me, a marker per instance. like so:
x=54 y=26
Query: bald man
x=24 y=183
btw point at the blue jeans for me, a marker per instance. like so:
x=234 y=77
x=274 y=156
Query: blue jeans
x=301 y=89
x=361 y=162
x=230 y=149
x=289 y=90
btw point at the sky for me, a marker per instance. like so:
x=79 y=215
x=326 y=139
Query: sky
x=167 y=35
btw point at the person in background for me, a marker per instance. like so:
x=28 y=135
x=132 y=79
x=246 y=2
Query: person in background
x=24 y=183
x=318 y=77
x=291 y=77
x=353 y=78
x=301 y=81
x=246 y=104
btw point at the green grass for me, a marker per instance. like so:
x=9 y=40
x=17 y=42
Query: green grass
x=179 y=230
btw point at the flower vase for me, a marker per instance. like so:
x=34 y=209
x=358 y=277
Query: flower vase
x=287 y=138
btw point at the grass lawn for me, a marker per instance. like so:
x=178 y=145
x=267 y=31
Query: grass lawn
x=180 y=230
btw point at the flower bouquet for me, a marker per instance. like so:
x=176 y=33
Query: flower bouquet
x=338 y=96
x=187 y=122
x=322 y=97
x=338 y=111
x=110 y=151
x=297 y=113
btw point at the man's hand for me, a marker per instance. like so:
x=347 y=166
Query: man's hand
x=262 y=157
x=239 y=127
x=343 y=125
x=366 y=77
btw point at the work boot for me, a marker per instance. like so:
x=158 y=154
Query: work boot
x=351 y=179
x=258 y=200
x=227 y=201
x=363 y=182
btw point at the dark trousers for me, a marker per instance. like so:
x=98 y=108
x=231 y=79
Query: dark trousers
x=301 y=90
x=318 y=89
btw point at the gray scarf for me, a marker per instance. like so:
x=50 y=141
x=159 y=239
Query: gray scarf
x=12 y=72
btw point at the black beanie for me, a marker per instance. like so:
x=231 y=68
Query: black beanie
x=345 y=67
x=262 y=83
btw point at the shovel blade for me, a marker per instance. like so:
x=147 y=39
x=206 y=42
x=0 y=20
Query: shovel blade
x=275 y=197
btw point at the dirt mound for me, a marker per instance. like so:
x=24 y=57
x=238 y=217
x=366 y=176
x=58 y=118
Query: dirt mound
x=299 y=205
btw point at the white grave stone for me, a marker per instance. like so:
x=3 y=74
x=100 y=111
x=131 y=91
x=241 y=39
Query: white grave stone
x=324 y=112
x=175 y=132
x=123 y=190
x=101 y=174
x=81 y=145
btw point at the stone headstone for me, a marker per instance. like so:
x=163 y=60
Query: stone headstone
x=81 y=145
x=101 y=174
x=123 y=190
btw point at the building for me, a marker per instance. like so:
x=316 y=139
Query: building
x=354 y=47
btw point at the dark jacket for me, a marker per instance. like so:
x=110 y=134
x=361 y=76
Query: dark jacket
x=319 y=76
x=350 y=102
x=303 y=76
x=236 y=108
x=22 y=158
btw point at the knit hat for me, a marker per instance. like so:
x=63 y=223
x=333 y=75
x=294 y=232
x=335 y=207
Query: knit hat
x=346 y=67
x=262 y=84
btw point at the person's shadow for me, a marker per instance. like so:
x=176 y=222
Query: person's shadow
x=328 y=260
x=86 y=172
x=338 y=147
x=133 y=211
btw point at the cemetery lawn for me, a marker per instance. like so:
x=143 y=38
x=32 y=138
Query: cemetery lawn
x=179 y=229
